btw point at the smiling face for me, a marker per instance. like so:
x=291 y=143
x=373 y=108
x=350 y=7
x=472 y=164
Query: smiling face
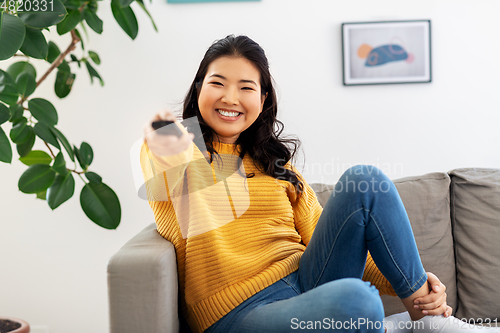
x=230 y=99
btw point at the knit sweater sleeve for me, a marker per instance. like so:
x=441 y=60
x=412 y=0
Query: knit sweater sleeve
x=306 y=208
x=163 y=174
x=373 y=274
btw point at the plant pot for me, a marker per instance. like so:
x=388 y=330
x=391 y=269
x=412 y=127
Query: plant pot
x=24 y=328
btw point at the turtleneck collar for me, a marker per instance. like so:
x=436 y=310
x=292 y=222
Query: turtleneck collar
x=226 y=148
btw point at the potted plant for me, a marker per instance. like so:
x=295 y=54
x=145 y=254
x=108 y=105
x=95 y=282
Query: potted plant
x=13 y=325
x=23 y=25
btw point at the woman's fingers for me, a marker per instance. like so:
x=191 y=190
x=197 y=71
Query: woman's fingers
x=441 y=310
x=166 y=145
x=436 y=307
x=162 y=115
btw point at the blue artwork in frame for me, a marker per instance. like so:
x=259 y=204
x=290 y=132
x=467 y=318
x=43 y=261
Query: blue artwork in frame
x=192 y=1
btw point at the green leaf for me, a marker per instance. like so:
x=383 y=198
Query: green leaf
x=93 y=177
x=63 y=141
x=93 y=6
x=9 y=94
x=4 y=113
x=141 y=4
x=86 y=153
x=77 y=33
x=42 y=195
x=37 y=178
x=34 y=44
x=59 y=165
x=82 y=25
x=64 y=66
x=25 y=84
x=70 y=22
x=64 y=83
x=72 y=4
x=5 y=148
x=12 y=33
x=124 y=3
x=24 y=148
x=77 y=154
x=20 y=132
x=75 y=59
x=93 y=73
x=94 y=22
x=43 y=111
x=8 y=91
x=61 y=190
x=101 y=205
x=125 y=18
x=95 y=57
x=53 y=52
x=17 y=68
x=43 y=132
x=45 y=19
x=6 y=79
x=16 y=112
x=36 y=157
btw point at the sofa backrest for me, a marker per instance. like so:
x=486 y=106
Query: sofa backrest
x=475 y=217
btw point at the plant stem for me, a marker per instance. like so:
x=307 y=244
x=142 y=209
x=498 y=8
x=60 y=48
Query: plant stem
x=60 y=58
x=51 y=153
x=53 y=156
x=83 y=180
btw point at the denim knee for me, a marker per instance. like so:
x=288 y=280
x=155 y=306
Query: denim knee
x=359 y=299
x=363 y=179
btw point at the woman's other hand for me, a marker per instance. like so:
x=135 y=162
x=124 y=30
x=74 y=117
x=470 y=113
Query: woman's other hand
x=434 y=303
x=166 y=145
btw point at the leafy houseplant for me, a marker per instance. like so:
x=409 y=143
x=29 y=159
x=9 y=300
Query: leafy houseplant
x=22 y=27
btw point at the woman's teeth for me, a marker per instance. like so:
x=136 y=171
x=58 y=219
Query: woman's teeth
x=228 y=113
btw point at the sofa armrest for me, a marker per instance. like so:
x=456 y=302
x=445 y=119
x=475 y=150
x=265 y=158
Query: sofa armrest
x=142 y=285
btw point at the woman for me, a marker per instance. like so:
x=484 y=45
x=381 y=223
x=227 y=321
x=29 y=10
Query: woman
x=262 y=255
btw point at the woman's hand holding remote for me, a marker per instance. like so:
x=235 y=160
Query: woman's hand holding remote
x=166 y=145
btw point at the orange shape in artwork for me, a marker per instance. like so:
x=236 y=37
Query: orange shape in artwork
x=364 y=50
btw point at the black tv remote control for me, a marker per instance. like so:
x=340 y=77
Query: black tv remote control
x=162 y=128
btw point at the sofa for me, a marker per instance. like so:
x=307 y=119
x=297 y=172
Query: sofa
x=455 y=217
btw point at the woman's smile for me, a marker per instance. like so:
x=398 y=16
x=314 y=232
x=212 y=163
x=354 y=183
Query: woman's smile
x=229 y=115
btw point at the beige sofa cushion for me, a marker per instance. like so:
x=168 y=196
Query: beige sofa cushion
x=426 y=199
x=475 y=204
x=427 y=202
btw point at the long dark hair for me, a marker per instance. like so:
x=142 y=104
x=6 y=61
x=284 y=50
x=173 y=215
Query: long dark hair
x=261 y=141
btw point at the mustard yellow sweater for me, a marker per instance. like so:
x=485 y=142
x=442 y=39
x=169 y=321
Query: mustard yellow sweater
x=233 y=235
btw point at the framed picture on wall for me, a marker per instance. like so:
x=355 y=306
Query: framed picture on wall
x=386 y=52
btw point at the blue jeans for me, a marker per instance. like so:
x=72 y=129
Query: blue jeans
x=363 y=213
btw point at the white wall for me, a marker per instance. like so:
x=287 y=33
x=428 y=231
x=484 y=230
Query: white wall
x=53 y=264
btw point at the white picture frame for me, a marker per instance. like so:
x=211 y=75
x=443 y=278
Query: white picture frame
x=386 y=52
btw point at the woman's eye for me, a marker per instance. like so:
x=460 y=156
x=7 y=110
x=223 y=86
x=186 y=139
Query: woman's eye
x=247 y=88
x=216 y=83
